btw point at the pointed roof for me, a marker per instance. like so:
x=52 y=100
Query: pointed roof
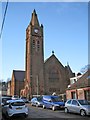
x=19 y=75
x=82 y=82
x=68 y=67
x=51 y=57
x=34 y=19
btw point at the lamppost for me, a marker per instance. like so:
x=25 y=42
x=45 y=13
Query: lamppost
x=30 y=87
x=37 y=83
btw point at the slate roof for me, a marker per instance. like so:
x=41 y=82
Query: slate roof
x=82 y=82
x=19 y=75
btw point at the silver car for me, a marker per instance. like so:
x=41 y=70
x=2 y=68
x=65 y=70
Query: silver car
x=77 y=106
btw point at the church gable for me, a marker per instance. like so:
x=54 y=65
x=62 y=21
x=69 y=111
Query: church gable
x=52 y=60
x=55 y=77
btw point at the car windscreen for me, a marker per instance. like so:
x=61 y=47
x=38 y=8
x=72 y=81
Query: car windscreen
x=84 y=102
x=23 y=98
x=39 y=98
x=17 y=103
x=56 y=99
x=5 y=99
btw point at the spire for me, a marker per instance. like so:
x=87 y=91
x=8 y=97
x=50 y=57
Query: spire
x=34 y=19
x=67 y=63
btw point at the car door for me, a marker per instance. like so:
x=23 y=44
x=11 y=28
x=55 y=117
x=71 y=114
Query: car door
x=50 y=103
x=75 y=106
x=68 y=105
x=36 y=102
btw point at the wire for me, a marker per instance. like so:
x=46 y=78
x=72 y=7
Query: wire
x=4 y=18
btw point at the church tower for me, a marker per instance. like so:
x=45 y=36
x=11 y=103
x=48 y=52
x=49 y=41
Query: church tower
x=34 y=80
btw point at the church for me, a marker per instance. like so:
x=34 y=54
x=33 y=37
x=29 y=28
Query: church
x=42 y=77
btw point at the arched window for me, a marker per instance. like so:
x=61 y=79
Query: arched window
x=33 y=44
x=53 y=75
x=38 y=45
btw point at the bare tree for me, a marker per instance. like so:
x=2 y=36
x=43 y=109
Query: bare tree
x=85 y=68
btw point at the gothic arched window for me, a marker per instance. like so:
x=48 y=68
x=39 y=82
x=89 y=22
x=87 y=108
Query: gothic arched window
x=38 y=45
x=33 y=43
x=53 y=75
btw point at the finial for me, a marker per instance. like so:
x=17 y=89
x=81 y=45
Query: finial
x=42 y=25
x=52 y=52
x=34 y=11
x=67 y=63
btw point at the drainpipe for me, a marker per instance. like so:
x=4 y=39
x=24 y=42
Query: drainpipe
x=76 y=93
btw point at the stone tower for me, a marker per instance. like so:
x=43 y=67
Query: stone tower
x=34 y=80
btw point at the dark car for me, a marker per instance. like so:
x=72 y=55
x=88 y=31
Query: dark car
x=53 y=102
x=4 y=99
x=37 y=101
x=24 y=99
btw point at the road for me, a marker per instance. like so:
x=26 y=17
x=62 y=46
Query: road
x=39 y=112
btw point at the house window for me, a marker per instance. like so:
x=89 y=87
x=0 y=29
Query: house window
x=73 y=94
x=87 y=94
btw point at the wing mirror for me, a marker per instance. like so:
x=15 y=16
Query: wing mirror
x=49 y=100
x=2 y=104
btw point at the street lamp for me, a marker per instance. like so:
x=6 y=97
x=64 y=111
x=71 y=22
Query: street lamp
x=37 y=83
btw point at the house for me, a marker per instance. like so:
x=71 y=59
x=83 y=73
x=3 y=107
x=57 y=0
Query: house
x=3 y=88
x=17 y=82
x=9 y=87
x=81 y=88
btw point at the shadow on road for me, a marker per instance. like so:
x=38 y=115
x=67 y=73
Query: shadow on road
x=14 y=118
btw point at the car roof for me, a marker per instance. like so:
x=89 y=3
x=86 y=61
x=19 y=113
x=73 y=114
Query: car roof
x=74 y=99
x=17 y=100
x=5 y=96
x=51 y=95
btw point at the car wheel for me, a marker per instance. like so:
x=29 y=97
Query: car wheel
x=36 y=105
x=44 y=107
x=82 y=113
x=31 y=104
x=26 y=116
x=7 y=116
x=66 y=110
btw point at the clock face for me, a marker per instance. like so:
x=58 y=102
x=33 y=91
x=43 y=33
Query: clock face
x=36 y=30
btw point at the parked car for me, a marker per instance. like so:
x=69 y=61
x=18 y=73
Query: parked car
x=77 y=106
x=4 y=99
x=53 y=102
x=37 y=101
x=15 y=97
x=15 y=107
x=24 y=99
